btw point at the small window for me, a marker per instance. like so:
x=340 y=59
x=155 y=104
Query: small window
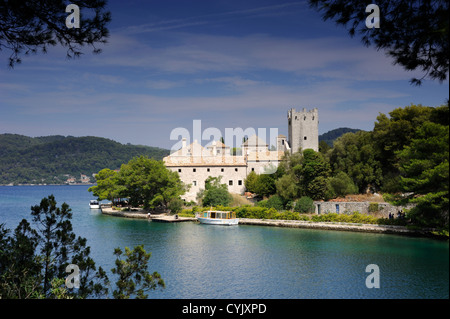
x=194 y=183
x=313 y=118
x=207 y=169
x=304 y=118
x=296 y=117
x=253 y=169
x=282 y=142
x=230 y=182
x=235 y=169
x=179 y=170
x=221 y=169
x=337 y=208
x=239 y=182
x=304 y=138
x=194 y=170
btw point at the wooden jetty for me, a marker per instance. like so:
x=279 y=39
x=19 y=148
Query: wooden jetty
x=171 y=219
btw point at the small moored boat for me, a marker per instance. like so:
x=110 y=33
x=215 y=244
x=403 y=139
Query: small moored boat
x=94 y=204
x=215 y=217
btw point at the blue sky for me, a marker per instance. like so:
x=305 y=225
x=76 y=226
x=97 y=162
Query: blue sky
x=227 y=63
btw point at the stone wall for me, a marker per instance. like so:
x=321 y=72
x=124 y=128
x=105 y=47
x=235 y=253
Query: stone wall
x=303 y=129
x=379 y=209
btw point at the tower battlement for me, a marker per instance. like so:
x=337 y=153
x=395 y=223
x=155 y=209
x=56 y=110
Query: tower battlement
x=303 y=129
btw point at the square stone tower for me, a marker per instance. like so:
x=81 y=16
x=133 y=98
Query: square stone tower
x=303 y=129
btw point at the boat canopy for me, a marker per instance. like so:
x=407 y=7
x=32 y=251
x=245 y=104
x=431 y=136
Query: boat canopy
x=218 y=214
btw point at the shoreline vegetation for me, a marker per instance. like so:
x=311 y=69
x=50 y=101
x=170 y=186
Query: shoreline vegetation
x=259 y=216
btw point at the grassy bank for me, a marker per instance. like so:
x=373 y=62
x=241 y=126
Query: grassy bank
x=252 y=212
x=272 y=213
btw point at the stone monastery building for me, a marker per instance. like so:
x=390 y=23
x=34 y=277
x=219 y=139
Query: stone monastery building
x=195 y=163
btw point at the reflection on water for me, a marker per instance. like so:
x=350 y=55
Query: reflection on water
x=206 y=261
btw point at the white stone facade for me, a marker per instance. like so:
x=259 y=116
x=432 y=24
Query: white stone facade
x=195 y=163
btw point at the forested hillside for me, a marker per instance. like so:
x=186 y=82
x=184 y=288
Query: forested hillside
x=55 y=159
x=330 y=136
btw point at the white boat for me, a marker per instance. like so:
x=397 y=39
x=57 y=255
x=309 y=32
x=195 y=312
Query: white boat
x=94 y=204
x=215 y=217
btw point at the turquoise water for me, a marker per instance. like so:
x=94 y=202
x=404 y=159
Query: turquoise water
x=250 y=262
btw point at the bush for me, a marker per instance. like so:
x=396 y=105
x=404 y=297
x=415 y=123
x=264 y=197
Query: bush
x=176 y=205
x=262 y=203
x=373 y=207
x=341 y=185
x=304 y=205
x=355 y=217
x=217 y=196
x=276 y=202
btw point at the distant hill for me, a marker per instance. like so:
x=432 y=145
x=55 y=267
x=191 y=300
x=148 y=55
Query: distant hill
x=56 y=159
x=330 y=136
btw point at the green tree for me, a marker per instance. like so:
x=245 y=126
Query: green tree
x=341 y=185
x=424 y=165
x=312 y=174
x=265 y=185
x=324 y=147
x=175 y=205
x=250 y=182
x=216 y=193
x=33 y=262
x=20 y=268
x=134 y=278
x=391 y=134
x=32 y=259
x=355 y=155
x=413 y=33
x=304 y=205
x=149 y=183
x=107 y=185
x=276 y=202
x=286 y=187
x=217 y=196
x=31 y=26
x=60 y=247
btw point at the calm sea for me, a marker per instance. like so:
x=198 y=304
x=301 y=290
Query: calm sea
x=250 y=262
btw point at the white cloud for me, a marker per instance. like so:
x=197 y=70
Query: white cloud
x=185 y=53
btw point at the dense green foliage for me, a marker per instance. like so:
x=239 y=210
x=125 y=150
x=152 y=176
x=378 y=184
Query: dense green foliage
x=271 y=213
x=52 y=159
x=33 y=261
x=356 y=156
x=134 y=278
x=144 y=181
x=304 y=205
x=341 y=185
x=215 y=193
x=406 y=153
